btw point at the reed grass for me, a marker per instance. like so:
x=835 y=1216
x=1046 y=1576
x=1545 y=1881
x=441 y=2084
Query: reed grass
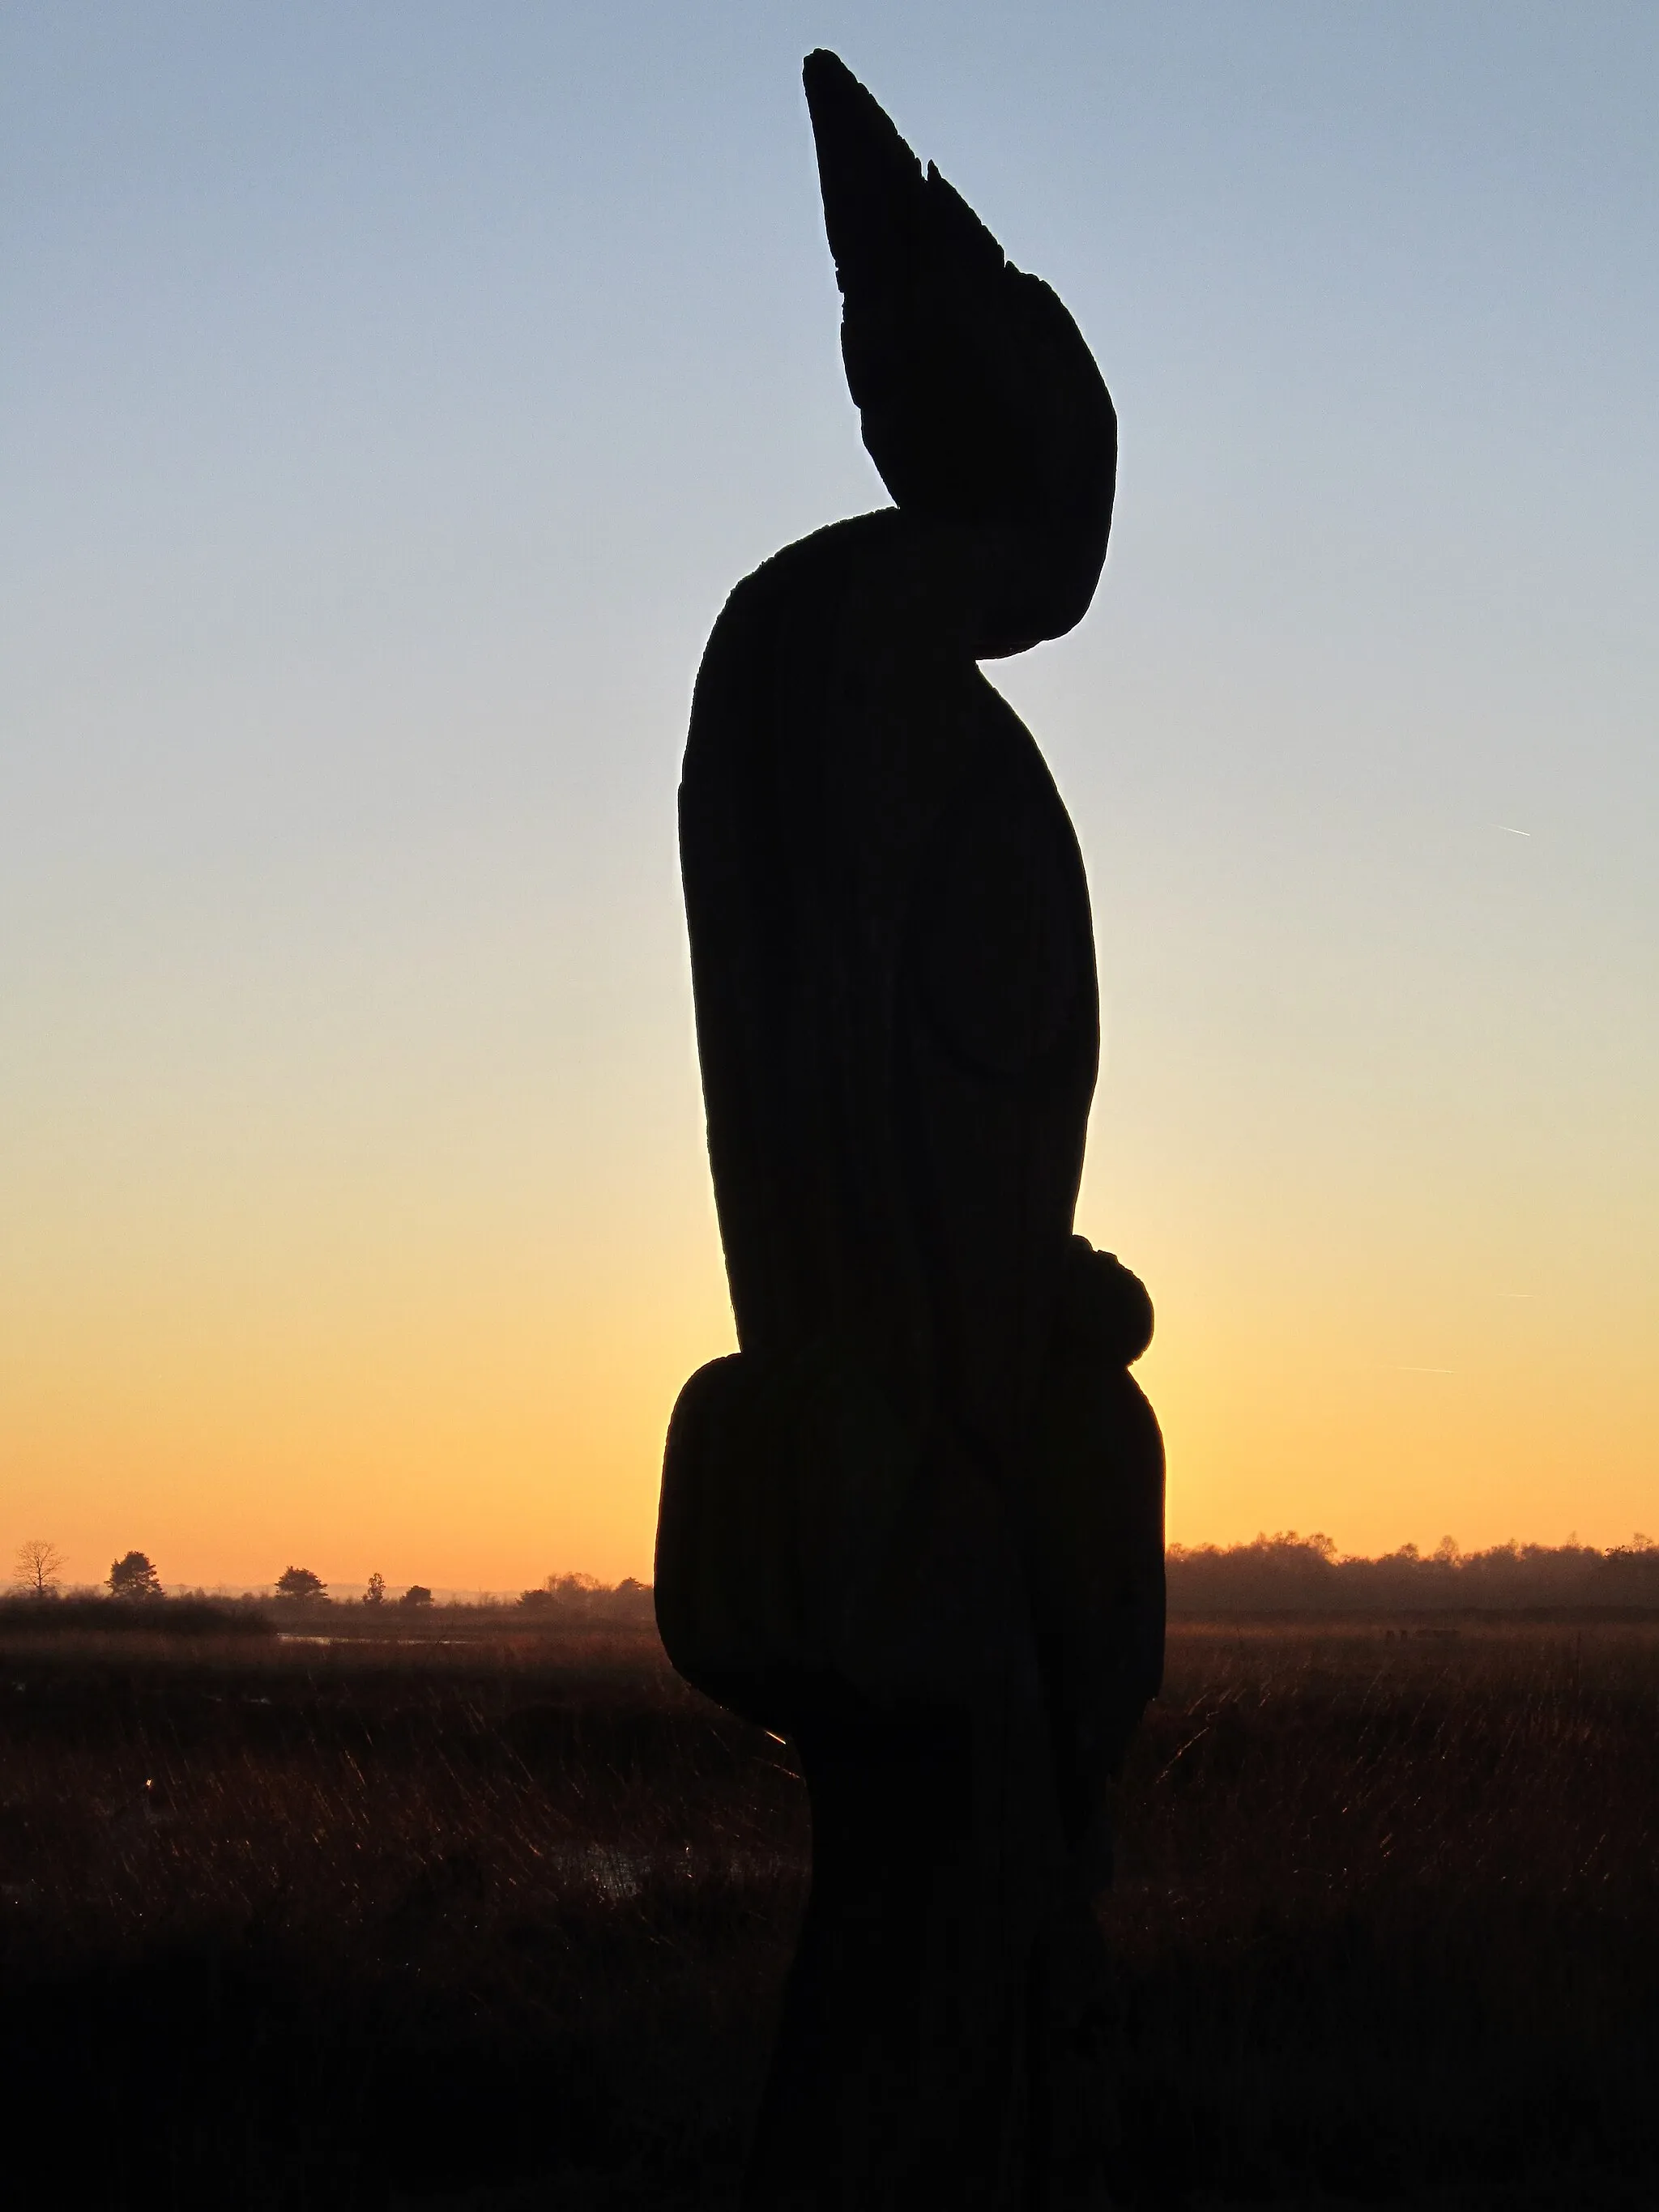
x=502 y=1920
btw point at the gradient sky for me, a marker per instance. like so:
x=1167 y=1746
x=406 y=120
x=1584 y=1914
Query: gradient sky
x=391 y=393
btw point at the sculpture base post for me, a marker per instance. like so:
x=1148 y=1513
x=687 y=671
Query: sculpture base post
x=941 y=2040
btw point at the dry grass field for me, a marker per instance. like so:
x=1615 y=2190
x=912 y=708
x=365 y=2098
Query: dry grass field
x=496 y=1917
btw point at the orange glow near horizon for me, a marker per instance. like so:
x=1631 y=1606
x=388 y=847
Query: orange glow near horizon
x=474 y=1404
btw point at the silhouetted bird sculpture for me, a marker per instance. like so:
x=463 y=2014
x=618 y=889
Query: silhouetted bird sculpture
x=917 y=1522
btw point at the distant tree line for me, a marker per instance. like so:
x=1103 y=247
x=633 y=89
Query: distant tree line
x=1283 y=1573
x=301 y=1586
x=1288 y=1573
x=581 y=1597
x=135 y=1579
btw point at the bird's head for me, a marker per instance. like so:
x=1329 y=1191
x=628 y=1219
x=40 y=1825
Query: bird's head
x=981 y=407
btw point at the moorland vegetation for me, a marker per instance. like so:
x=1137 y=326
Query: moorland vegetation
x=493 y=1911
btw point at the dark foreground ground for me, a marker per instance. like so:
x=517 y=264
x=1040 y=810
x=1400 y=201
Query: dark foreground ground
x=501 y=1923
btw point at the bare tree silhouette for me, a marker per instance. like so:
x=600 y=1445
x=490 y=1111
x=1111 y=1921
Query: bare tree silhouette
x=38 y=1566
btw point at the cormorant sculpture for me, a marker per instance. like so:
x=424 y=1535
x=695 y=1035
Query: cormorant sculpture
x=915 y=1524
